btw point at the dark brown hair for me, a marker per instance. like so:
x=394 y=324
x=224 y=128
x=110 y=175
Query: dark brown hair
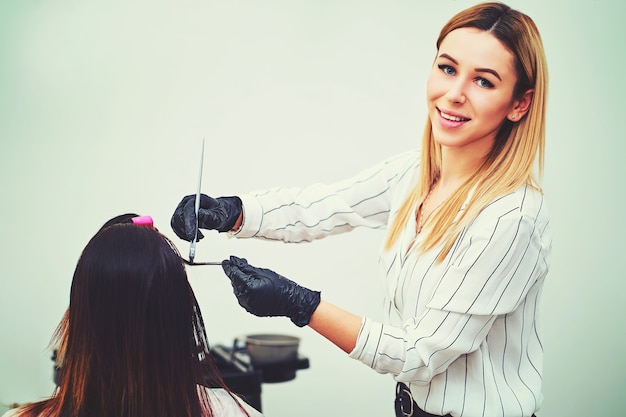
x=132 y=342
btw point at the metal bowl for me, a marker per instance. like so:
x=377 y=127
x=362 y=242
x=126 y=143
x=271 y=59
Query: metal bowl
x=265 y=349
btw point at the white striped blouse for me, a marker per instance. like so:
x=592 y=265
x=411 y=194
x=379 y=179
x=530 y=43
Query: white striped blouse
x=463 y=333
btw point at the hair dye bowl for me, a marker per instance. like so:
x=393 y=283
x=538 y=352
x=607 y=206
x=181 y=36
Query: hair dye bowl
x=268 y=349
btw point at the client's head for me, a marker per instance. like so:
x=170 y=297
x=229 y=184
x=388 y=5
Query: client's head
x=133 y=331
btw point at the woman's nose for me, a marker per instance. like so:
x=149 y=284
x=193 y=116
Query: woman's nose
x=456 y=91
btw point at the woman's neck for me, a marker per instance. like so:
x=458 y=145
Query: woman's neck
x=456 y=166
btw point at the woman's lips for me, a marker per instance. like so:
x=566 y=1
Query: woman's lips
x=451 y=120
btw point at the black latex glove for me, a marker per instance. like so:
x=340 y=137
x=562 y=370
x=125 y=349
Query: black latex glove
x=219 y=214
x=263 y=292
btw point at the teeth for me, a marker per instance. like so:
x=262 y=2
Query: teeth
x=453 y=118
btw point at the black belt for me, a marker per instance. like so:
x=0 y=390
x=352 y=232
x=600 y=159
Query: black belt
x=406 y=405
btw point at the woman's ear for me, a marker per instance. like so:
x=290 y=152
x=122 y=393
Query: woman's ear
x=521 y=106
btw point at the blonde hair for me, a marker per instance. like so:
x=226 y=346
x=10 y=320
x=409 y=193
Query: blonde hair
x=518 y=153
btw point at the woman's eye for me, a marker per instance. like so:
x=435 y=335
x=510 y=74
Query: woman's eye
x=447 y=69
x=482 y=82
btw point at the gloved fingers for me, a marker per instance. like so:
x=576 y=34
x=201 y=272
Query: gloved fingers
x=212 y=214
x=253 y=271
x=266 y=273
x=183 y=220
x=210 y=218
x=233 y=269
x=208 y=203
x=192 y=229
x=235 y=261
x=229 y=268
x=226 y=267
x=239 y=280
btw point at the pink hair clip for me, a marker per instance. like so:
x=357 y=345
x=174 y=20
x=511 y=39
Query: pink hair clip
x=143 y=221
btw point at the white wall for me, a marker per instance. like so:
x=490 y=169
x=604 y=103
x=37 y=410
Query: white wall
x=103 y=106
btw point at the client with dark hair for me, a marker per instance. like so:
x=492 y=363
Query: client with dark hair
x=132 y=342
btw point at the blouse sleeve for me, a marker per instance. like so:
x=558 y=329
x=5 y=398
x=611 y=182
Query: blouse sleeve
x=304 y=214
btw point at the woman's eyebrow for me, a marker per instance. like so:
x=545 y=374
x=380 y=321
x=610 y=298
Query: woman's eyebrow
x=488 y=70
x=449 y=57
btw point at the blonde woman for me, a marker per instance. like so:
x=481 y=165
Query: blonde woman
x=468 y=243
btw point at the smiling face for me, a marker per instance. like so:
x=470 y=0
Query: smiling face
x=470 y=91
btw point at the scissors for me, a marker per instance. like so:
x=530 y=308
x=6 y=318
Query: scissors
x=192 y=245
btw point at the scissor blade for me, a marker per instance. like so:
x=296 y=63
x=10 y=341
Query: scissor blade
x=192 y=246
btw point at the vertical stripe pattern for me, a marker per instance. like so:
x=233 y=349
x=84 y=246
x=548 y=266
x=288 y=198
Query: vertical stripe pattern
x=462 y=333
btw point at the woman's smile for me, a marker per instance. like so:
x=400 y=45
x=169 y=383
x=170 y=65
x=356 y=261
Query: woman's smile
x=451 y=120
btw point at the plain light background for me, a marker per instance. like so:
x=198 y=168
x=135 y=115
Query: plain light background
x=104 y=105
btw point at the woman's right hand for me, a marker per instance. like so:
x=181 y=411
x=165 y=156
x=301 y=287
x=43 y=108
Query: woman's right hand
x=219 y=214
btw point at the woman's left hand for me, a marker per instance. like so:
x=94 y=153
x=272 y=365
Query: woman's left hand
x=263 y=292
